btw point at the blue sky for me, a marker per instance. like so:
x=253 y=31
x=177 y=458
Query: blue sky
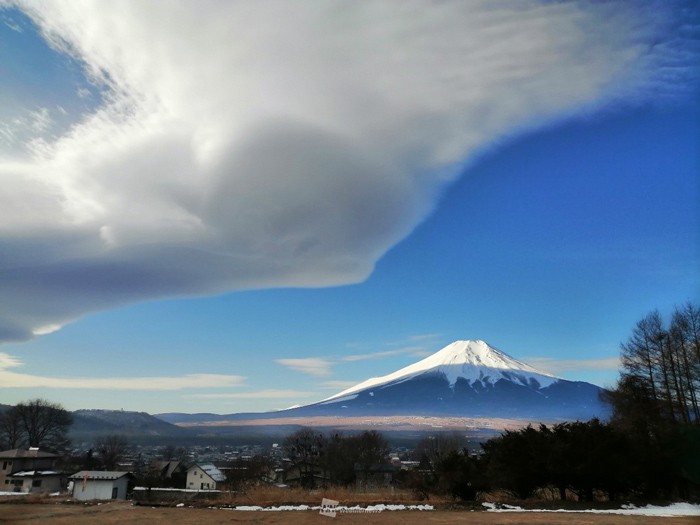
x=217 y=225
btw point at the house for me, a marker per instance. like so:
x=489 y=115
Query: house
x=169 y=473
x=30 y=470
x=98 y=484
x=204 y=477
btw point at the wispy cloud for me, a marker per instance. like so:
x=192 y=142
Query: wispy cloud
x=413 y=350
x=194 y=136
x=12 y=24
x=10 y=379
x=418 y=345
x=338 y=385
x=557 y=366
x=260 y=394
x=314 y=366
x=424 y=337
x=322 y=367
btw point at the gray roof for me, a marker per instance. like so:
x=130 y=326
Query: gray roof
x=213 y=472
x=100 y=474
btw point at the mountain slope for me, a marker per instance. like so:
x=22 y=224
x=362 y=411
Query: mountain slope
x=473 y=361
x=467 y=378
x=464 y=379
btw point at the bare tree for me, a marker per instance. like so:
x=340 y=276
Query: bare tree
x=684 y=339
x=173 y=453
x=368 y=449
x=660 y=380
x=306 y=449
x=11 y=434
x=112 y=449
x=36 y=423
x=437 y=447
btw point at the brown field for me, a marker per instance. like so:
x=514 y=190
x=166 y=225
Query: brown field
x=410 y=423
x=126 y=512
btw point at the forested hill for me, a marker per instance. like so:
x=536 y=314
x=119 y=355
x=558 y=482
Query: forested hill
x=90 y=423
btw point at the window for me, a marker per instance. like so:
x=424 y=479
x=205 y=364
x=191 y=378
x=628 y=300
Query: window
x=36 y=483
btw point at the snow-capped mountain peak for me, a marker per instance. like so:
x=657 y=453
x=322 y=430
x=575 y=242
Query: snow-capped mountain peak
x=472 y=361
x=475 y=353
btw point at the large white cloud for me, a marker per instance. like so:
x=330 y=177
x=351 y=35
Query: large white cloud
x=260 y=144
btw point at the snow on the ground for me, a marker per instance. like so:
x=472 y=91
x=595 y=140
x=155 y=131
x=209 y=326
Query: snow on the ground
x=3 y=493
x=170 y=489
x=674 y=509
x=339 y=509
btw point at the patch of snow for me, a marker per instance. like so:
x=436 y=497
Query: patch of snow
x=674 y=509
x=340 y=509
x=32 y=473
x=170 y=489
x=2 y=493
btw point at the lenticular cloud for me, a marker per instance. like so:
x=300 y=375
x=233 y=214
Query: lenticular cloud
x=261 y=144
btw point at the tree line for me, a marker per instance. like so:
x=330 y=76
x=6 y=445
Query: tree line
x=579 y=459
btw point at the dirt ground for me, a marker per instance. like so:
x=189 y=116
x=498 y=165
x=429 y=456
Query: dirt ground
x=126 y=512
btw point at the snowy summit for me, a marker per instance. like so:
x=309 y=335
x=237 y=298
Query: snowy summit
x=474 y=361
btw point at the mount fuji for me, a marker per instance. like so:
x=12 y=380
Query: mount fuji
x=467 y=378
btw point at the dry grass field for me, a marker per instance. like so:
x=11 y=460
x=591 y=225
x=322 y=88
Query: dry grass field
x=127 y=513
x=383 y=423
x=49 y=510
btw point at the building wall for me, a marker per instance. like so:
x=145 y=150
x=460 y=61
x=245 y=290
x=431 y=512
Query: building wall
x=27 y=484
x=197 y=479
x=5 y=471
x=10 y=465
x=100 y=489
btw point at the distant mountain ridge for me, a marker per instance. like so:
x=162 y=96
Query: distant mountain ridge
x=464 y=379
x=89 y=423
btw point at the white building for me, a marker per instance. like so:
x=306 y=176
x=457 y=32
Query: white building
x=96 y=484
x=204 y=477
